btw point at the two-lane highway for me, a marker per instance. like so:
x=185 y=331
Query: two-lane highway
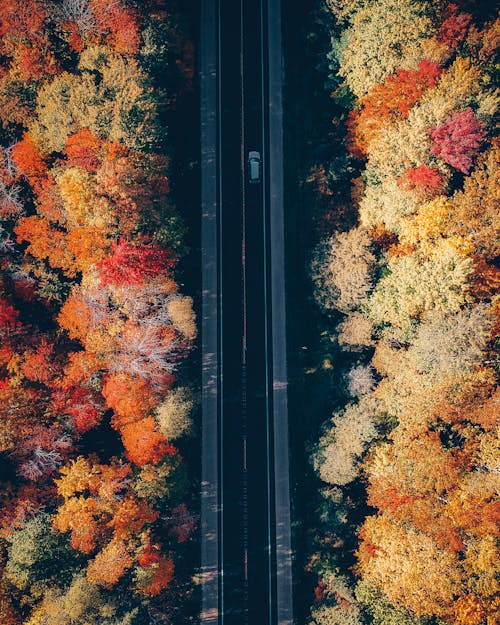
x=246 y=553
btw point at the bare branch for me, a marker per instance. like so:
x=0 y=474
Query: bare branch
x=78 y=11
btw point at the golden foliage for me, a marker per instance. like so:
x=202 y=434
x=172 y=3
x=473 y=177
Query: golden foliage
x=342 y=270
x=111 y=96
x=355 y=332
x=180 y=309
x=409 y=567
x=81 y=603
x=414 y=286
x=341 y=447
x=110 y=564
x=173 y=415
x=457 y=88
x=386 y=205
x=428 y=306
x=378 y=38
x=475 y=214
x=428 y=228
x=82 y=205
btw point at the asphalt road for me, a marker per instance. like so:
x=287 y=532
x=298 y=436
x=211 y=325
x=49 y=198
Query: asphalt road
x=246 y=552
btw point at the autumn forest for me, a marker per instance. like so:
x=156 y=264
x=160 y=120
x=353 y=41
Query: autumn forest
x=406 y=273
x=93 y=324
x=99 y=350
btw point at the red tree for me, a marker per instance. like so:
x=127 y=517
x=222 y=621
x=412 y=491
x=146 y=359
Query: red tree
x=41 y=452
x=85 y=409
x=181 y=523
x=24 y=38
x=458 y=139
x=39 y=364
x=120 y=23
x=82 y=149
x=149 y=555
x=455 y=26
x=392 y=99
x=163 y=575
x=8 y=317
x=426 y=182
x=33 y=64
x=129 y=264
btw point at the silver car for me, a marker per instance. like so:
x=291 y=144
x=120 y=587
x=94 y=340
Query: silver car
x=254 y=167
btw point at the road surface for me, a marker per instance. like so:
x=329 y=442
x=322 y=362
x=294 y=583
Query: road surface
x=246 y=545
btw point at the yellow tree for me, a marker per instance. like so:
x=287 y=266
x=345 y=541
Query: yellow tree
x=377 y=39
x=409 y=567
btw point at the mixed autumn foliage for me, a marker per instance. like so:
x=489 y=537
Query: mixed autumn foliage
x=92 y=322
x=410 y=462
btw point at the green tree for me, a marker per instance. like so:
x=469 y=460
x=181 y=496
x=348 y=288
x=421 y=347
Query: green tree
x=82 y=603
x=111 y=95
x=413 y=286
x=37 y=555
x=382 y=611
x=378 y=39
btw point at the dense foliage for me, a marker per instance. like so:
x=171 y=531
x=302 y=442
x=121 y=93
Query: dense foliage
x=92 y=322
x=410 y=463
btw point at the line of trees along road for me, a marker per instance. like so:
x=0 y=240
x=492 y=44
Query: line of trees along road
x=93 y=324
x=411 y=292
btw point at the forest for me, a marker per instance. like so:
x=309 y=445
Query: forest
x=98 y=401
x=95 y=327
x=406 y=274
